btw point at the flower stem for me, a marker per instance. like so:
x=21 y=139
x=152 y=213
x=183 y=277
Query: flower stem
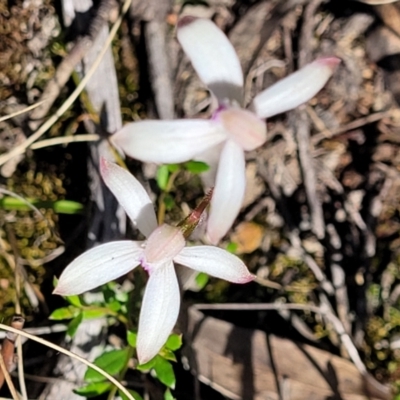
x=161 y=199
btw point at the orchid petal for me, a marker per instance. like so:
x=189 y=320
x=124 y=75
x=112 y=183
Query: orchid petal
x=160 y=309
x=228 y=192
x=98 y=266
x=168 y=142
x=295 y=89
x=131 y=195
x=216 y=262
x=211 y=158
x=212 y=56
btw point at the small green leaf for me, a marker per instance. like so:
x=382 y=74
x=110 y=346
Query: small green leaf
x=173 y=167
x=168 y=354
x=59 y=206
x=66 y=207
x=114 y=305
x=162 y=177
x=131 y=338
x=112 y=362
x=64 y=313
x=134 y=394
x=202 y=280
x=109 y=292
x=147 y=366
x=74 y=300
x=168 y=395
x=174 y=342
x=196 y=167
x=93 y=313
x=74 y=325
x=94 y=389
x=165 y=372
x=232 y=247
x=169 y=202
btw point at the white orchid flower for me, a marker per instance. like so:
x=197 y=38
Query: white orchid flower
x=164 y=245
x=231 y=130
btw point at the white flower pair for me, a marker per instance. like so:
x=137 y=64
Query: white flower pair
x=221 y=142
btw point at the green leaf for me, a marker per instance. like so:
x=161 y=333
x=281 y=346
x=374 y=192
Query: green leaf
x=168 y=395
x=174 y=342
x=168 y=354
x=109 y=292
x=147 y=366
x=74 y=325
x=165 y=372
x=196 y=167
x=131 y=338
x=64 y=313
x=232 y=247
x=94 y=389
x=112 y=362
x=169 y=202
x=162 y=177
x=202 y=280
x=92 y=313
x=173 y=167
x=135 y=395
x=114 y=305
x=59 y=206
x=74 y=300
x=66 y=207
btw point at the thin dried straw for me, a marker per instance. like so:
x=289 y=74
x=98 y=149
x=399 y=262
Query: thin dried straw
x=74 y=95
x=92 y=137
x=19 y=112
x=7 y=377
x=70 y=354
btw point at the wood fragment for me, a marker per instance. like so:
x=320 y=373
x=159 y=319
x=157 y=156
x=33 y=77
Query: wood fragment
x=153 y=14
x=238 y=363
x=80 y=48
x=8 y=347
x=160 y=69
x=302 y=127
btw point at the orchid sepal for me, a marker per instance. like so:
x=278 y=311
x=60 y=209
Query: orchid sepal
x=296 y=89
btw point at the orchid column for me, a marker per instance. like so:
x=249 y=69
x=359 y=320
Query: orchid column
x=231 y=130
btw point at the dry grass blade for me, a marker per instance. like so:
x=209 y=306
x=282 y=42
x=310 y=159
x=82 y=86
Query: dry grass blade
x=7 y=377
x=74 y=95
x=15 y=114
x=65 y=140
x=18 y=321
x=68 y=353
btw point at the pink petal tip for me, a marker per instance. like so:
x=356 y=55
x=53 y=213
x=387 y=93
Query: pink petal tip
x=103 y=165
x=331 y=62
x=247 y=279
x=186 y=20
